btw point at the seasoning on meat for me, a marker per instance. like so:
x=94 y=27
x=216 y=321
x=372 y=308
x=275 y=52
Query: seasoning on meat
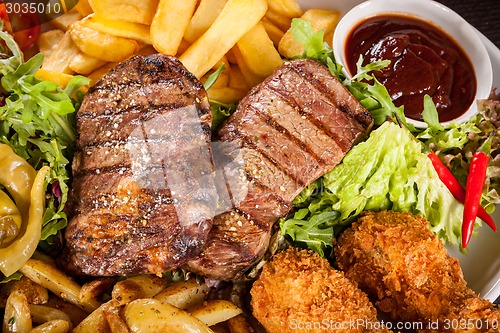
x=143 y=194
x=287 y=132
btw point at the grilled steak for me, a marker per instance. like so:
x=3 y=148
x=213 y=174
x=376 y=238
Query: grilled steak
x=290 y=130
x=143 y=195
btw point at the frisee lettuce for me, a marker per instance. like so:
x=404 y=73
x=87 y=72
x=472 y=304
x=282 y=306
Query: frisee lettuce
x=37 y=119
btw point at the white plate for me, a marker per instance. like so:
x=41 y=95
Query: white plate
x=481 y=267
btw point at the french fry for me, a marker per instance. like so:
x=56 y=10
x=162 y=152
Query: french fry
x=101 y=45
x=53 y=326
x=237 y=80
x=48 y=41
x=182 y=47
x=239 y=324
x=60 y=78
x=251 y=78
x=100 y=72
x=64 y=21
x=83 y=7
x=128 y=10
x=116 y=323
x=204 y=16
x=17 y=316
x=288 y=8
x=279 y=20
x=258 y=51
x=119 y=28
x=152 y=316
x=273 y=31
x=184 y=294
x=41 y=314
x=216 y=311
x=140 y=286
x=320 y=19
x=236 y=19
x=62 y=56
x=169 y=24
x=85 y=64
x=56 y=281
x=227 y=95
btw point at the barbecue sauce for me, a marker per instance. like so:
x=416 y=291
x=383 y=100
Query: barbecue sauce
x=424 y=60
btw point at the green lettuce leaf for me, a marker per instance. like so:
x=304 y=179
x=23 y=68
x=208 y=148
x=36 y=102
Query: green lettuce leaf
x=387 y=171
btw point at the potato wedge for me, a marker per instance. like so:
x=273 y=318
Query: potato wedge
x=17 y=316
x=96 y=321
x=101 y=45
x=184 y=294
x=85 y=64
x=239 y=324
x=95 y=289
x=128 y=10
x=116 y=323
x=56 y=281
x=204 y=16
x=119 y=28
x=258 y=51
x=321 y=19
x=215 y=311
x=41 y=314
x=235 y=20
x=62 y=56
x=153 y=316
x=169 y=24
x=48 y=41
x=53 y=326
x=140 y=286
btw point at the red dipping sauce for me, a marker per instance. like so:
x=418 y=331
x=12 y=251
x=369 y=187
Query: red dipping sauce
x=424 y=60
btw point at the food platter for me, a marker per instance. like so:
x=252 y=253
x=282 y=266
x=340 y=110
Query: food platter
x=481 y=266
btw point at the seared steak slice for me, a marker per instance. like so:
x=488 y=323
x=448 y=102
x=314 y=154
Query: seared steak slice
x=143 y=194
x=287 y=132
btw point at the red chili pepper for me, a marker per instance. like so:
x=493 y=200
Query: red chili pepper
x=456 y=189
x=474 y=189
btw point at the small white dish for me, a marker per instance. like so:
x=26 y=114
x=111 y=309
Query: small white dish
x=438 y=15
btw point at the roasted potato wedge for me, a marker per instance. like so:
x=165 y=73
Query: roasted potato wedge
x=101 y=45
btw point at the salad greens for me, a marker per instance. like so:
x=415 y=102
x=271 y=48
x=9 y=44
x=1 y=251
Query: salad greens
x=37 y=119
x=390 y=170
x=387 y=171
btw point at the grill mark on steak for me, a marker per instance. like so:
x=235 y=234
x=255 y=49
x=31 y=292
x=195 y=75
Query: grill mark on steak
x=143 y=194
x=301 y=121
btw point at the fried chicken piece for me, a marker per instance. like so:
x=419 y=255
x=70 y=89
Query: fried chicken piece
x=298 y=291
x=397 y=260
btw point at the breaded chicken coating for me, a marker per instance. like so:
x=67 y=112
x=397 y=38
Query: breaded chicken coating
x=400 y=263
x=298 y=291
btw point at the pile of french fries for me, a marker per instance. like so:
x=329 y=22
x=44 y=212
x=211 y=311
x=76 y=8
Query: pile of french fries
x=250 y=37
